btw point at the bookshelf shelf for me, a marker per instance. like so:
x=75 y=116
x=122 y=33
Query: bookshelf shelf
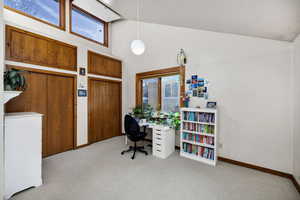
x=199 y=144
x=198 y=135
x=205 y=123
x=197 y=158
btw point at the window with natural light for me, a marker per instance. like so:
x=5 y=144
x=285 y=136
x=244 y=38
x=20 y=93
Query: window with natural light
x=150 y=92
x=170 y=93
x=169 y=89
x=87 y=26
x=45 y=10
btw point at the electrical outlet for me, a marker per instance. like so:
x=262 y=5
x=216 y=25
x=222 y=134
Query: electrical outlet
x=220 y=145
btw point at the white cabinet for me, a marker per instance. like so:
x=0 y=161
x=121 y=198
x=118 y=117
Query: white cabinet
x=163 y=141
x=23 y=152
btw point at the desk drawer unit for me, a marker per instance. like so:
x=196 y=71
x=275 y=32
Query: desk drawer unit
x=163 y=141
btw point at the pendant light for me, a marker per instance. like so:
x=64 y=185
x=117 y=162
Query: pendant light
x=138 y=46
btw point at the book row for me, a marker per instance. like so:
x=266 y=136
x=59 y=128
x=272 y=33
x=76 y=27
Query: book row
x=203 y=128
x=203 y=152
x=198 y=138
x=199 y=117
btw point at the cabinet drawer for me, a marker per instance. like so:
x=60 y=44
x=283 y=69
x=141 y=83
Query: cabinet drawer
x=158 y=133
x=157 y=149
x=157 y=139
x=158 y=146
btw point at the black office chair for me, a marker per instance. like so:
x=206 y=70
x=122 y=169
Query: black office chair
x=132 y=130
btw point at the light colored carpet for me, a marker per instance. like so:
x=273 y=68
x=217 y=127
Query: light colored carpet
x=99 y=172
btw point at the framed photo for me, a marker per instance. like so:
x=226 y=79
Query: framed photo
x=82 y=93
x=195 y=93
x=201 y=84
x=211 y=104
x=82 y=71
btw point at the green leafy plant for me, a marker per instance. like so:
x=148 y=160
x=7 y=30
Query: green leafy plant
x=14 y=80
x=174 y=119
x=142 y=112
x=147 y=111
x=171 y=119
x=137 y=112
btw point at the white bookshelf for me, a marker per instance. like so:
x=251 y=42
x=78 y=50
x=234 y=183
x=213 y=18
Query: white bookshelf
x=198 y=135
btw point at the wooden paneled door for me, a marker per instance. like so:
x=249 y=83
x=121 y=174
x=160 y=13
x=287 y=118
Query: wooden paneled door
x=60 y=114
x=53 y=96
x=104 y=109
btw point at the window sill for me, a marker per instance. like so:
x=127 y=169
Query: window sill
x=91 y=40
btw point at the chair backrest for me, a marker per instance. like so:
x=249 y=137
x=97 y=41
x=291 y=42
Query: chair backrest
x=132 y=128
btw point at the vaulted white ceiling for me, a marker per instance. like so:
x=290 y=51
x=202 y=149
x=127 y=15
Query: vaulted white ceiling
x=272 y=19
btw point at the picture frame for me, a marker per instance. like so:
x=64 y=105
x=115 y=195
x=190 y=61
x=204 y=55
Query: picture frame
x=211 y=104
x=82 y=71
x=82 y=93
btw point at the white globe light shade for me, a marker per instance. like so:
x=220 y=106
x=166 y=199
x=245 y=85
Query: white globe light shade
x=138 y=47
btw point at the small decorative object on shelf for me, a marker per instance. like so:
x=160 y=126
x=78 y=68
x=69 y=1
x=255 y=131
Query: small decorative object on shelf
x=186 y=100
x=198 y=136
x=211 y=104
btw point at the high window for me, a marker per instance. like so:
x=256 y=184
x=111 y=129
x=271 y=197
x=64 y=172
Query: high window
x=86 y=25
x=51 y=12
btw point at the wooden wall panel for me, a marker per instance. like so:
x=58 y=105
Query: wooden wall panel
x=104 y=65
x=104 y=109
x=23 y=46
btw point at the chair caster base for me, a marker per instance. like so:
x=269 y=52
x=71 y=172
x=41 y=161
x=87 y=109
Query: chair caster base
x=135 y=149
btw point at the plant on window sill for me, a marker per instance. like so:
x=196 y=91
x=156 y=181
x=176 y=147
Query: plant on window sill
x=171 y=119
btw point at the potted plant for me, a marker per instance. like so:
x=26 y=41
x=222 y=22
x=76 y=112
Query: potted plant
x=174 y=119
x=14 y=80
x=142 y=112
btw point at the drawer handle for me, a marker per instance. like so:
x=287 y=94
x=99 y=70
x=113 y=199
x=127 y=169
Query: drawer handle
x=158 y=130
x=158 y=150
x=158 y=144
x=158 y=138
x=158 y=134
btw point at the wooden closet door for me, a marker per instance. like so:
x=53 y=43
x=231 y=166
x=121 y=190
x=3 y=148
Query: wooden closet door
x=60 y=127
x=104 y=109
x=33 y=99
x=51 y=96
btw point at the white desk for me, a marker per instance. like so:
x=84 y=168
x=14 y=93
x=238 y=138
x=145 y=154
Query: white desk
x=163 y=139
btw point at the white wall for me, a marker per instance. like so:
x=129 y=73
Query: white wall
x=83 y=46
x=1 y=106
x=250 y=78
x=297 y=109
